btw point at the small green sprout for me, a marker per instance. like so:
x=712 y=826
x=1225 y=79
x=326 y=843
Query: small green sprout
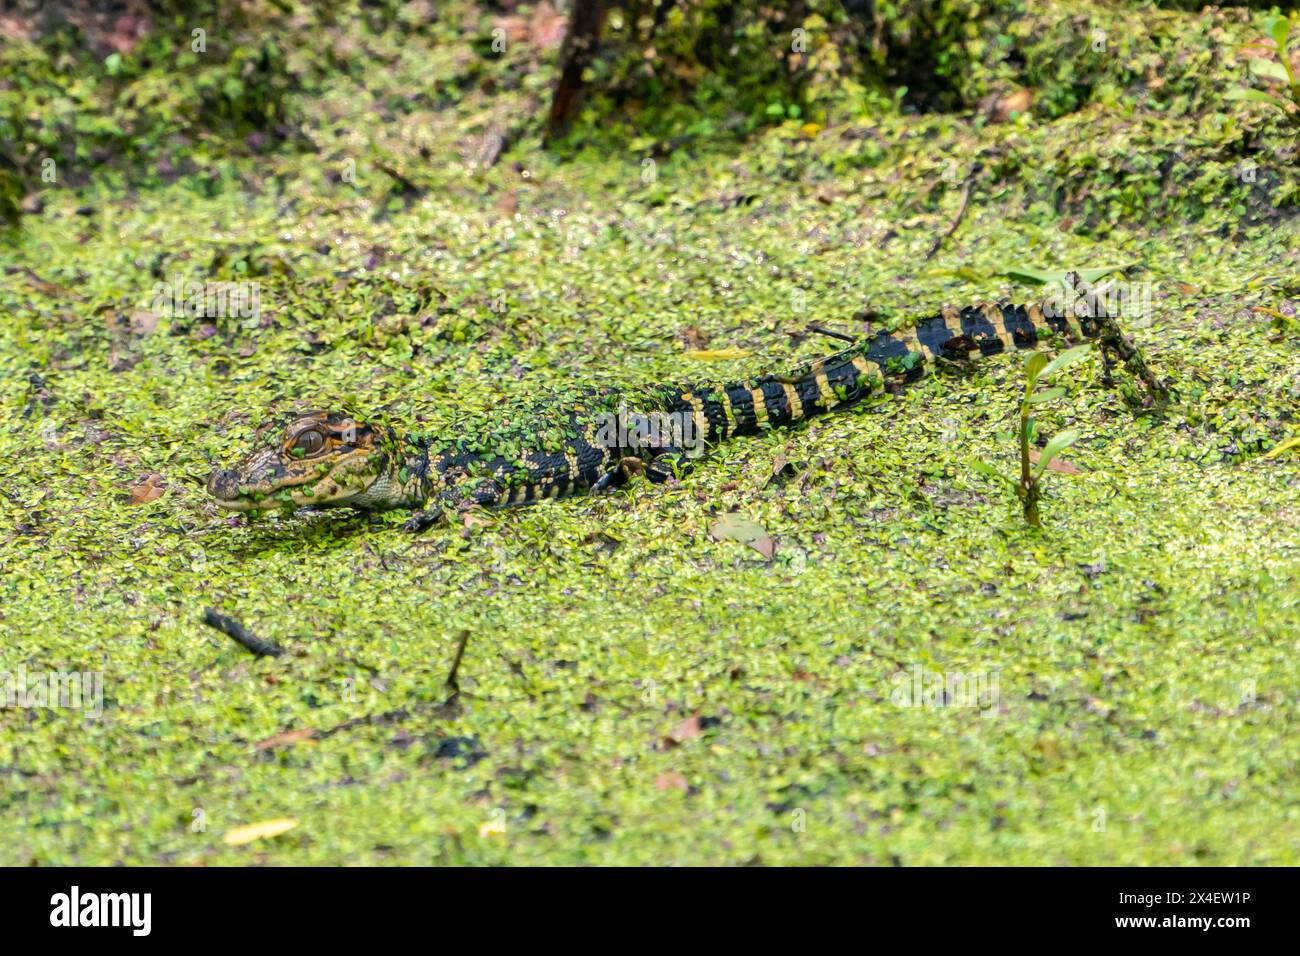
x=1028 y=486
x=1285 y=97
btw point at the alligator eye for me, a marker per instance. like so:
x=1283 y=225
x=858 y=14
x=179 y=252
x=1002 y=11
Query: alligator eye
x=309 y=442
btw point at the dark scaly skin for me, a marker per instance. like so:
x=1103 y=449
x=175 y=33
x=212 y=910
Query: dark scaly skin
x=331 y=459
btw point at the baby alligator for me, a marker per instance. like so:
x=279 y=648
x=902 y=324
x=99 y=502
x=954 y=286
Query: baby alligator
x=333 y=459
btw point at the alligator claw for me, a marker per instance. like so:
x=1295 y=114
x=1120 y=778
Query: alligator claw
x=422 y=521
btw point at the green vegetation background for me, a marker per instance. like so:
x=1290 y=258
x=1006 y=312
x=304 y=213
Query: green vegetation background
x=635 y=691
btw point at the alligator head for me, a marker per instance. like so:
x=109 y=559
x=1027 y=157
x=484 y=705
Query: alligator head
x=320 y=459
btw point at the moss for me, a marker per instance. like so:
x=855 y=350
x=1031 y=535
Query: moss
x=633 y=690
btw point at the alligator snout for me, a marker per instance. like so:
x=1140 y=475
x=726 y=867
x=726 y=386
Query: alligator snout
x=223 y=484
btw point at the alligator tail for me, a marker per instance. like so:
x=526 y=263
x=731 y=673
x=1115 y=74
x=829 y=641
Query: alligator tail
x=890 y=360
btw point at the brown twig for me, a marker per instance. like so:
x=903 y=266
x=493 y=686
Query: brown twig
x=366 y=720
x=408 y=187
x=829 y=333
x=961 y=210
x=451 y=682
x=240 y=634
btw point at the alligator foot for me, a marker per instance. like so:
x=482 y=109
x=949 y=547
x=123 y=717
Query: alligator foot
x=609 y=480
x=422 y=520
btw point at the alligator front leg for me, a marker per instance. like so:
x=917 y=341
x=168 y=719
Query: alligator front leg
x=609 y=480
x=656 y=470
x=455 y=499
x=422 y=520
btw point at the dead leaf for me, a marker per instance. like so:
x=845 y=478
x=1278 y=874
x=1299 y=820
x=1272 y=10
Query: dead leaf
x=1005 y=107
x=258 y=831
x=143 y=321
x=288 y=737
x=125 y=32
x=515 y=28
x=694 y=339
x=782 y=470
x=15 y=28
x=147 y=489
x=688 y=729
x=546 y=29
x=1057 y=464
x=508 y=204
x=738 y=528
x=543 y=30
x=672 y=781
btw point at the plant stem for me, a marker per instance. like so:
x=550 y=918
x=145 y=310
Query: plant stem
x=1028 y=483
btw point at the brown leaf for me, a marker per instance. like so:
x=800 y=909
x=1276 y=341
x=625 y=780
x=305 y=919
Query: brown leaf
x=694 y=339
x=515 y=27
x=671 y=781
x=16 y=28
x=688 y=729
x=125 y=32
x=1057 y=464
x=288 y=737
x=147 y=489
x=1004 y=107
x=735 y=527
x=782 y=470
x=546 y=29
x=508 y=204
x=143 y=321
